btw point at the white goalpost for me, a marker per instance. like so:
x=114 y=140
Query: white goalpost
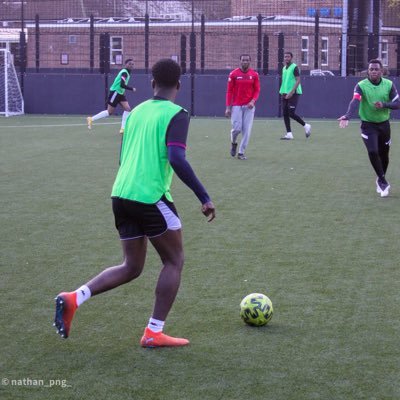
x=11 y=100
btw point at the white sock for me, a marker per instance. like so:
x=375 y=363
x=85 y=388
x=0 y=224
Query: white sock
x=82 y=294
x=156 y=325
x=124 y=117
x=101 y=114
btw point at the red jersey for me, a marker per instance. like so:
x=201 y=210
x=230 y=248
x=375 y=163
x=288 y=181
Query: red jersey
x=242 y=87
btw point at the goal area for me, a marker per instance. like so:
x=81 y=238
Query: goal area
x=11 y=100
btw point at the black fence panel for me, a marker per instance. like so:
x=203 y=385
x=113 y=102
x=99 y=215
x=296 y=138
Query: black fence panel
x=323 y=97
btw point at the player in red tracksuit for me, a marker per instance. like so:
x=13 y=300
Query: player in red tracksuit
x=241 y=95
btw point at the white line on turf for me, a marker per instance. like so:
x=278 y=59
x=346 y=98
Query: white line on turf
x=259 y=120
x=54 y=126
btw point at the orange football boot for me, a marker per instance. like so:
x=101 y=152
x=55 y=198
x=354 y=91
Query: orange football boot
x=65 y=310
x=159 y=339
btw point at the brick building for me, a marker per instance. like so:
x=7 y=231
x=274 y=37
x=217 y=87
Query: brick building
x=62 y=36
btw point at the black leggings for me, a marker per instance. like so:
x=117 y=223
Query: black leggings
x=289 y=111
x=376 y=137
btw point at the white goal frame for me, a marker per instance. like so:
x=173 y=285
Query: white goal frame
x=5 y=75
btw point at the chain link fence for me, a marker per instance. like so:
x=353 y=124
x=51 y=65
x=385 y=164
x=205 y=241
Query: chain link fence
x=205 y=36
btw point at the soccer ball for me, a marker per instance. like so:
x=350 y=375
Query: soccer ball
x=256 y=309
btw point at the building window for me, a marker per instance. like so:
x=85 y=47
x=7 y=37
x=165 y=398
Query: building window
x=116 y=50
x=304 y=50
x=324 y=51
x=385 y=53
x=64 y=59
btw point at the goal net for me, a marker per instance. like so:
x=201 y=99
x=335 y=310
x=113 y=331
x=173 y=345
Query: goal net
x=11 y=100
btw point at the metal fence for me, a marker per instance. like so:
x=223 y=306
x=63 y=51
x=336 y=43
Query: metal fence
x=204 y=36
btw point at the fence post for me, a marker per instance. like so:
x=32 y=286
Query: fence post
x=91 y=43
x=344 y=39
x=371 y=47
x=192 y=62
x=37 y=43
x=259 y=42
x=146 y=41
x=281 y=52
x=398 y=56
x=316 y=41
x=192 y=67
x=22 y=58
x=202 y=44
x=373 y=42
x=22 y=49
x=105 y=59
x=265 y=54
x=192 y=53
x=104 y=53
x=183 y=53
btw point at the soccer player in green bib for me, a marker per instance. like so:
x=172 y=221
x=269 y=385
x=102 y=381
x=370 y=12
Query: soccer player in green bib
x=117 y=96
x=291 y=91
x=153 y=148
x=375 y=97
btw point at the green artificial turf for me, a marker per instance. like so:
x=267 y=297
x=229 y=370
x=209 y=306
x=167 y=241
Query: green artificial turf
x=299 y=221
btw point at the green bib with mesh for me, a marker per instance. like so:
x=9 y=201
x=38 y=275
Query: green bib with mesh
x=370 y=94
x=145 y=174
x=289 y=80
x=116 y=86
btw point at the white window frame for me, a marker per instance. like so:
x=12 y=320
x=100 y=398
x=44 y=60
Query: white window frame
x=385 y=52
x=305 y=51
x=326 y=51
x=115 y=51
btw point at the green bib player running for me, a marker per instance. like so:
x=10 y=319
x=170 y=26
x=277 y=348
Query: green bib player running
x=375 y=97
x=117 y=96
x=153 y=148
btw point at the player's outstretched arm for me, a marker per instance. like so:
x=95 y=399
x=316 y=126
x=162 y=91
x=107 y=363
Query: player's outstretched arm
x=353 y=107
x=343 y=121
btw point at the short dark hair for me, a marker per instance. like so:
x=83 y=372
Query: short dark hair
x=166 y=73
x=129 y=59
x=289 y=52
x=375 y=61
x=244 y=55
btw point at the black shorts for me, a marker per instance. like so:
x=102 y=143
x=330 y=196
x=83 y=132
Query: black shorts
x=292 y=102
x=114 y=98
x=134 y=219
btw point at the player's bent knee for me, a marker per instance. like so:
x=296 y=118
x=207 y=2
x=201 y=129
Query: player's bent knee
x=132 y=270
